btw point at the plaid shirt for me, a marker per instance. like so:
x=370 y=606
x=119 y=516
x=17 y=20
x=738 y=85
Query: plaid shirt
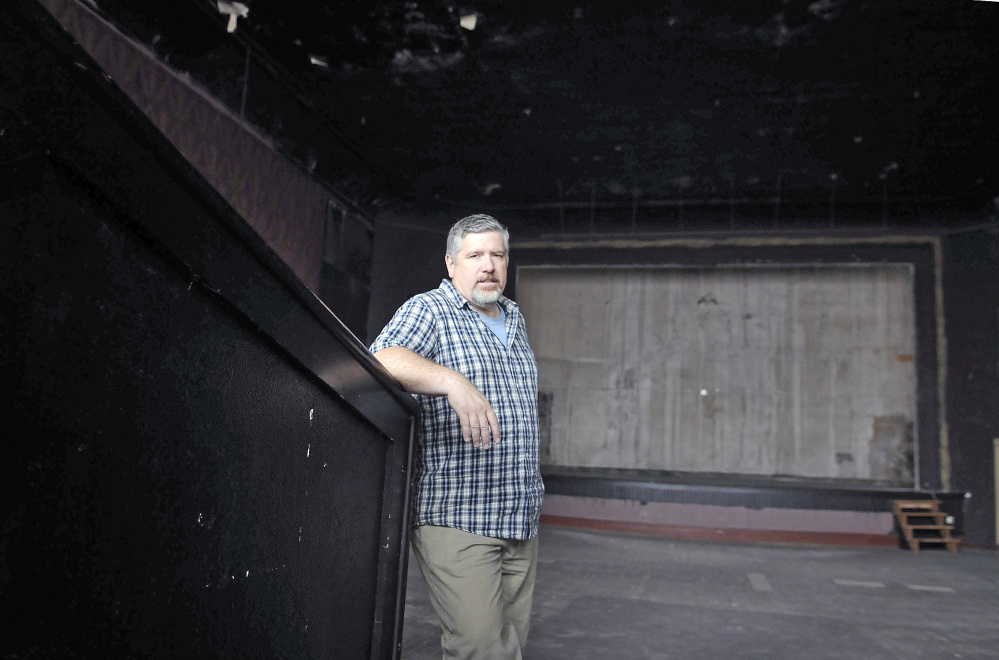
x=495 y=492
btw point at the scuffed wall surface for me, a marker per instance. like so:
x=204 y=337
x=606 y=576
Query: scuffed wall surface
x=283 y=204
x=780 y=371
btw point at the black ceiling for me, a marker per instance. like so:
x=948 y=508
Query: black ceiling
x=700 y=101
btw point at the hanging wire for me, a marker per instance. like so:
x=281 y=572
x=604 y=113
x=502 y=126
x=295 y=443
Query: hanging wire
x=246 y=83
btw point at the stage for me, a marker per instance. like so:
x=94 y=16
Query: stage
x=733 y=507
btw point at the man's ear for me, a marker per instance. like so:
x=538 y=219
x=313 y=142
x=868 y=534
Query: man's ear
x=450 y=265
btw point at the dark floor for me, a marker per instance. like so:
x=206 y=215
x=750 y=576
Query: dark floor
x=603 y=595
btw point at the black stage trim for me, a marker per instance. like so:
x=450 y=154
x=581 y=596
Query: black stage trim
x=754 y=492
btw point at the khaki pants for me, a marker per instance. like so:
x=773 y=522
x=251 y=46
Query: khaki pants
x=481 y=588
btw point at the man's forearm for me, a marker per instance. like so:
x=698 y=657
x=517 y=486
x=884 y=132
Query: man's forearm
x=418 y=374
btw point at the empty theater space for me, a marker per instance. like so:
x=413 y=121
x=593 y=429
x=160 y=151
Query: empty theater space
x=723 y=275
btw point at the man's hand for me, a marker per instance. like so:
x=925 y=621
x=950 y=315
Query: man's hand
x=476 y=414
x=422 y=376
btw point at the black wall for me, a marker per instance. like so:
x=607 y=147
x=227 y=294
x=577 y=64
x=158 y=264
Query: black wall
x=408 y=259
x=971 y=295
x=200 y=460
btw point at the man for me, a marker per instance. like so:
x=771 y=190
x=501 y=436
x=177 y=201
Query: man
x=462 y=349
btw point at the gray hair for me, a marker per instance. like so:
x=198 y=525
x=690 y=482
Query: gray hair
x=474 y=224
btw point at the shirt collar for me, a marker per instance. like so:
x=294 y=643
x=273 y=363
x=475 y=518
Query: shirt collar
x=454 y=296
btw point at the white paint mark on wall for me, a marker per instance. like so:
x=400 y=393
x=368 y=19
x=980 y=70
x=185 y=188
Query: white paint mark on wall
x=308 y=450
x=312 y=412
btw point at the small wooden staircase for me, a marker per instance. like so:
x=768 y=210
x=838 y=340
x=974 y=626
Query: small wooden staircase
x=922 y=521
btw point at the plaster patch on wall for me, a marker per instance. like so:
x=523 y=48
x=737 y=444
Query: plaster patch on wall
x=891 y=449
x=847 y=465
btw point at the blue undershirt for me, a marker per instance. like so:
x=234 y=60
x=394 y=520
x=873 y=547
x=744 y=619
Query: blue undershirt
x=497 y=325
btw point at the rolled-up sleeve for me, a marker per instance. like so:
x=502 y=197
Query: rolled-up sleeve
x=413 y=326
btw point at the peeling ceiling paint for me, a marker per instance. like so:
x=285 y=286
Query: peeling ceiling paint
x=543 y=102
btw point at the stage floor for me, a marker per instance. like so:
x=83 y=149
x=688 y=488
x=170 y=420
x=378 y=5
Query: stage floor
x=603 y=595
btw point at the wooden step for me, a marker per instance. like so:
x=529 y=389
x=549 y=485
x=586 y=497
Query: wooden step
x=915 y=542
x=921 y=521
x=950 y=543
x=911 y=526
x=929 y=524
x=910 y=506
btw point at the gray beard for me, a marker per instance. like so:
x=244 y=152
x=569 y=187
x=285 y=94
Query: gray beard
x=483 y=299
